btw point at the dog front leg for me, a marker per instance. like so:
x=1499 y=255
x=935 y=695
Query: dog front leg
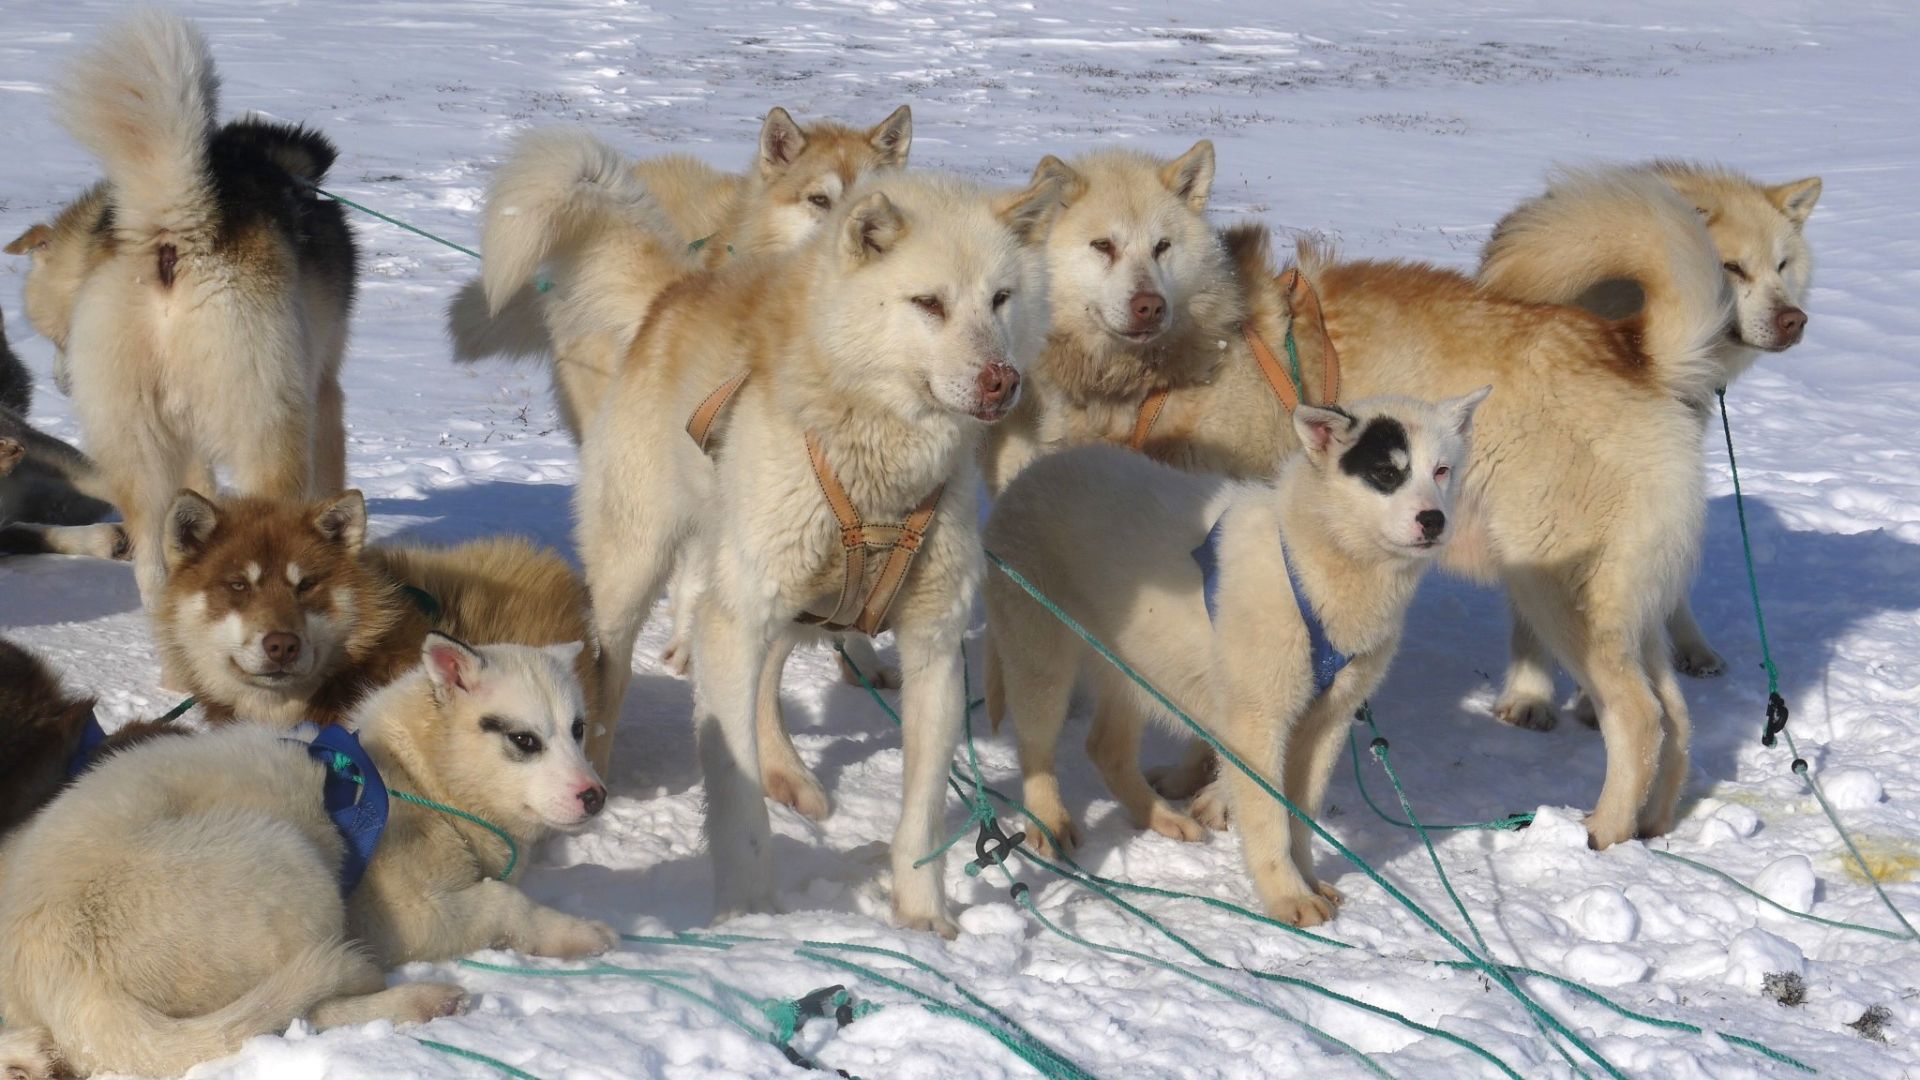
x=729 y=653
x=486 y=915
x=932 y=716
x=1264 y=738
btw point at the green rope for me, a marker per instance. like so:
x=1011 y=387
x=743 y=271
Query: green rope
x=1770 y=902
x=513 y=849
x=1293 y=366
x=178 y=711
x=476 y=1056
x=1746 y=545
x=1506 y=824
x=1226 y=754
x=395 y=221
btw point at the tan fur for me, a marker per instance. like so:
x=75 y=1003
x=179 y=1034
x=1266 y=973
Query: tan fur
x=184 y=896
x=1592 y=240
x=358 y=625
x=64 y=254
x=837 y=345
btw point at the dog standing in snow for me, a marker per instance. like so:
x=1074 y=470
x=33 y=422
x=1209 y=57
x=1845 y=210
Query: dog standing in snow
x=187 y=895
x=1267 y=611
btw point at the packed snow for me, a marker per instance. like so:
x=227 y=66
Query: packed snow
x=1393 y=129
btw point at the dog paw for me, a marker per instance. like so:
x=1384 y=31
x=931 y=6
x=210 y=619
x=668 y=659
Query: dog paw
x=882 y=678
x=1332 y=895
x=564 y=937
x=10 y=454
x=800 y=790
x=1604 y=833
x=1210 y=807
x=422 y=1002
x=28 y=1055
x=1182 y=781
x=1302 y=909
x=1533 y=714
x=1698 y=660
x=1064 y=829
x=1167 y=821
x=935 y=922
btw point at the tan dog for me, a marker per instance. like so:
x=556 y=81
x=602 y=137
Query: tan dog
x=1339 y=539
x=201 y=296
x=1542 y=252
x=278 y=612
x=185 y=896
x=891 y=339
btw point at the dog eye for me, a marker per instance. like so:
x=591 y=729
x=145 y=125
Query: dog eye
x=821 y=201
x=1103 y=246
x=931 y=305
x=306 y=586
x=525 y=741
x=579 y=728
x=1162 y=248
x=1782 y=266
x=1000 y=298
x=237 y=585
x=1735 y=269
x=1442 y=472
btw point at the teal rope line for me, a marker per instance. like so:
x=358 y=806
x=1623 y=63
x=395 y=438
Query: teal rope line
x=1506 y=824
x=1770 y=902
x=177 y=711
x=513 y=849
x=1293 y=366
x=1379 y=749
x=1345 y=852
x=1805 y=773
x=395 y=221
x=1746 y=545
x=476 y=1056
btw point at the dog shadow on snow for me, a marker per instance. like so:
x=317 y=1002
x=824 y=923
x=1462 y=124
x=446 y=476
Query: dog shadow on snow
x=541 y=512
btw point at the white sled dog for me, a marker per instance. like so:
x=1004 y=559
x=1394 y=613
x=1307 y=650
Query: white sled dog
x=840 y=385
x=1541 y=252
x=187 y=894
x=1267 y=611
x=203 y=305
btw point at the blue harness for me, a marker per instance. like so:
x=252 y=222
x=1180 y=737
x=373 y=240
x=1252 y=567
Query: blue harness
x=354 y=796
x=1327 y=661
x=92 y=737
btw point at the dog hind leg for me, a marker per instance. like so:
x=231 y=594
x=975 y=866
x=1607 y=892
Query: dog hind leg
x=1527 y=699
x=1113 y=742
x=1692 y=653
x=783 y=776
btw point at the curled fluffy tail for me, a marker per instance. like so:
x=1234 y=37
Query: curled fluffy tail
x=558 y=187
x=1622 y=243
x=143 y=101
x=513 y=332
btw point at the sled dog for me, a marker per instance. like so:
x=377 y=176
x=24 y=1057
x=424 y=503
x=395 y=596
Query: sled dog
x=1268 y=611
x=188 y=894
x=43 y=509
x=203 y=313
x=1543 y=252
x=279 y=612
x=838 y=385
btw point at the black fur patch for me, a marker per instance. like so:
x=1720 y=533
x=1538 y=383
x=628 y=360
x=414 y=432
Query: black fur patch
x=1371 y=458
x=16 y=383
x=263 y=175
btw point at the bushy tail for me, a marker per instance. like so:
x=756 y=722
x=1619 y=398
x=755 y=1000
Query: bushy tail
x=514 y=332
x=1622 y=243
x=558 y=187
x=143 y=101
x=122 y=1034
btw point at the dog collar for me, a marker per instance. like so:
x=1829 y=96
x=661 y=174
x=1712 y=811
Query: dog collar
x=1327 y=661
x=92 y=737
x=354 y=796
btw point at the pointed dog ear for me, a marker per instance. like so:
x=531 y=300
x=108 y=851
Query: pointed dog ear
x=343 y=520
x=1072 y=185
x=781 y=140
x=453 y=667
x=893 y=138
x=1322 y=432
x=1030 y=212
x=32 y=240
x=1796 y=199
x=873 y=226
x=1190 y=176
x=190 y=524
x=1460 y=410
x=566 y=652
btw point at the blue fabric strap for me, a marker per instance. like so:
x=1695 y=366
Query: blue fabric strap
x=354 y=797
x=1327 y=661
x=92 y=737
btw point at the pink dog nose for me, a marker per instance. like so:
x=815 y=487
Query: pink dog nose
x=594 y=799
x=281 y=647
x=997 y=383
x=1789 y=322
x=1148 y=309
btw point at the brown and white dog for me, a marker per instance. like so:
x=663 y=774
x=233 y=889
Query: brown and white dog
x=280 y=612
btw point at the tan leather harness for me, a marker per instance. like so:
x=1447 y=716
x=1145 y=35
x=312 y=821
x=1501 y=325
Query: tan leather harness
x=861 y=607
x=1304 y=302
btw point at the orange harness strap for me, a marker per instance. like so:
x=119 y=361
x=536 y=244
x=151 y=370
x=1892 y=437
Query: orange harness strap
x=1150 y=407
x=865 y=613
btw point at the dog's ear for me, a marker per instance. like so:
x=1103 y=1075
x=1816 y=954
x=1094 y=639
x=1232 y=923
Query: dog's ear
x=190 y=524
x=33 y=239
x=1030 y=212
x=453 y=667
x=342 y=520
x=1322 y=432
x=781 y=140
x=1794 y=200
x=893 y=138
x=566 y=652
x=1459 y=410
x=1190 y=176
x=1072 y=185
x=11 y=451
x=873 y=226
x=71 y=717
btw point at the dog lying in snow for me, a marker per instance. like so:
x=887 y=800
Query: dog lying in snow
x=1266 y=611
x=187 y=895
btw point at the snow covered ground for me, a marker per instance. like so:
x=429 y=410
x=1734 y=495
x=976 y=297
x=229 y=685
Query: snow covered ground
x=1392 y=128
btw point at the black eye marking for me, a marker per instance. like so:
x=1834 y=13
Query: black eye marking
x=931 y=305
x=492 y=725
x=1372 y=456
x=821 y=201
x=1735 y=269
x=579 y=728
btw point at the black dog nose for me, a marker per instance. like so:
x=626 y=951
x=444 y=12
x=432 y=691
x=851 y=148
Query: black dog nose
x=1432 y=523
x=593 y=798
